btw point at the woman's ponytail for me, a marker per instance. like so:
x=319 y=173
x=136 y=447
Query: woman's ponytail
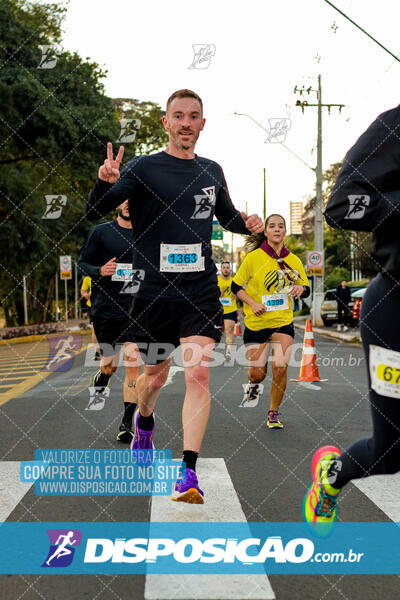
x=255 y=240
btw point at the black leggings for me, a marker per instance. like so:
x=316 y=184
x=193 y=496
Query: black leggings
x=380 y=326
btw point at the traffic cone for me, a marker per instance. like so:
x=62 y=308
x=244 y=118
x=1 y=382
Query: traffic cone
x=308 y=367
x=238 y=329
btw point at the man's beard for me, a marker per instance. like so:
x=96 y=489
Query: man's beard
x=187 y=145
x=119 y=213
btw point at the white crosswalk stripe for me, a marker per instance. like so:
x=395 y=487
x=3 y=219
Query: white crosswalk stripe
x=221 y=503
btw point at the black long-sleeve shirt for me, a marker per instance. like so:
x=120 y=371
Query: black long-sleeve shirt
x=366 y=195
x=171 y=201
x=343 y=295
x=110 y=296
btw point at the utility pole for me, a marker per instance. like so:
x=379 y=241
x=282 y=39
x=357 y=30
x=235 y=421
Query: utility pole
x=319 y=219
x=25 y=300
x=56 y=295
x=265 y=199
x=66 y=300
x=76 y=291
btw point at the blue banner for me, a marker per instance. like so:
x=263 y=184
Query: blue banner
x=110 y=472
x=200 y=548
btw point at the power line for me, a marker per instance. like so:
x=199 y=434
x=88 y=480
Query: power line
x=271 y=133
x=363 y=30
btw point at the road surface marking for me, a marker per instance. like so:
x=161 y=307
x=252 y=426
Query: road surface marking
x=384 y=491
x=221 y=503
x=12 y=489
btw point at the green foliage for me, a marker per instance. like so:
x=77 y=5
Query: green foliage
x=335 y=277
x=54 y=127
x=338 y=243
x=361 y=283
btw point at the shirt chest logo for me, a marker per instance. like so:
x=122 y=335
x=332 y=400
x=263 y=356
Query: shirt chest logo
x=275 y=281
x=204 y=203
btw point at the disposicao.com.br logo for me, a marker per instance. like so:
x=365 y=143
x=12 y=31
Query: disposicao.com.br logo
x=192 y=550
x=198 y=548
x=62 y=547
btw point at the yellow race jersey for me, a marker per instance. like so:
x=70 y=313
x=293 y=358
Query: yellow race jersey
x=227 y=298
x=268 y=284
x=87 y=287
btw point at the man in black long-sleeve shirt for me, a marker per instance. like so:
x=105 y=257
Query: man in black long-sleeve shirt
x=106 y=257
x=173 y=197
x=343 y=297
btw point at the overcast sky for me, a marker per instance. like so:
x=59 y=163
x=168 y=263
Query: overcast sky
x=263 y=49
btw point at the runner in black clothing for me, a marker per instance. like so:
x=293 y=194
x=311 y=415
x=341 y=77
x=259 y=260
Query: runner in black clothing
x=106 y=257
x=173 y=196
x=366 y=197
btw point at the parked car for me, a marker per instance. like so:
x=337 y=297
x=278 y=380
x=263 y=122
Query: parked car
x=329 y=313
x=357 y=296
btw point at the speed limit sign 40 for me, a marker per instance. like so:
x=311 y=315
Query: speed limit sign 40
x=65 y=267
x=315 y=262
x=315 y=259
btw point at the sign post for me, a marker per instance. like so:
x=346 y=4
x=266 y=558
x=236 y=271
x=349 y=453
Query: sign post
x=66 y=273
x=315 y=267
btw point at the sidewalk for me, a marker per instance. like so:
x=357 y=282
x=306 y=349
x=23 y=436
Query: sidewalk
x=352 y=336
x=32 y=333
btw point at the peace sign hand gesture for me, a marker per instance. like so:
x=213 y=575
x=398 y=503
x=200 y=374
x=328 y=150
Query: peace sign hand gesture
x=109 y=171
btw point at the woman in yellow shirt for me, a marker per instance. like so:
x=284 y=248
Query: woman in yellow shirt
x=267 y=281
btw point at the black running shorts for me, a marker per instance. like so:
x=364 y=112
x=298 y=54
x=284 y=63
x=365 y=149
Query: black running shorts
x=264 y=335
x=111 y=333
x=232 y=316
x=163 y=323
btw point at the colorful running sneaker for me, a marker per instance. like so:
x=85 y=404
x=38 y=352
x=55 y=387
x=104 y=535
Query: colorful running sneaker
x=142 y=439
x=187 y=489
x=319 y=505
x=273 y=422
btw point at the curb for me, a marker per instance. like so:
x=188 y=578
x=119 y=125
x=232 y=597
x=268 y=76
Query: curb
x=331 y=334
x=36 y=338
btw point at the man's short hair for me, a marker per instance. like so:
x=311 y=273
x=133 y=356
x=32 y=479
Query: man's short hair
x=185 y=94
x=225 y=262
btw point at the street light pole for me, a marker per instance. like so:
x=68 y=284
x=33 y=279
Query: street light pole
x=319 y=221
x=318 y=292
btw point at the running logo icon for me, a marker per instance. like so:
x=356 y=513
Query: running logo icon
x=49 y=57
x=204 y=203
x=278 y=130
x=63 y=543
x=129 y=129
x=54 y=206
x=203 y=54
x=62 y=351
x=357 y=205
x=132 y=286
x=97 y=398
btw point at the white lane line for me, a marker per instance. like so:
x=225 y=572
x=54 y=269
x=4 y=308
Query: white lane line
x=384 y=491
x=221 y=505
x=12 y=489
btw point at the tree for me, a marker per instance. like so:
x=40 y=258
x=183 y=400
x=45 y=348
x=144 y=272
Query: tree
x=54 y=128
x=338 y=244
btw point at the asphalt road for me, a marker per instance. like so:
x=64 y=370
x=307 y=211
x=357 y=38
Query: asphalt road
x=270 y=470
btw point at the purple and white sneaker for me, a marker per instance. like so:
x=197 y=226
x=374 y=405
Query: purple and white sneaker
x=187 y=490
x=142 y=439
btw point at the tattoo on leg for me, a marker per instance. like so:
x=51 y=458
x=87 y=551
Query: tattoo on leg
x=132 y=383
